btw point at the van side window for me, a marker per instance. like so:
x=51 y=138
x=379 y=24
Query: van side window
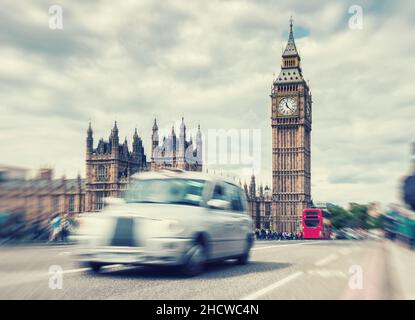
x=219 y=193
x=235 y=198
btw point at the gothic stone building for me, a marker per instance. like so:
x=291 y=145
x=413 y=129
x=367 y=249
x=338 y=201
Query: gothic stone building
x=260 y=205
x=176 y=152
x=109 y=165
x=291 y=142
x=108 y=168
x=36 y=200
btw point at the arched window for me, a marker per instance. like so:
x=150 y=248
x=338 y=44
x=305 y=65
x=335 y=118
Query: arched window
x=102 y=172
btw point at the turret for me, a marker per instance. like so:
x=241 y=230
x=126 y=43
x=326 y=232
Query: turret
x=252 y=187
x=89 y=140
x=154 y=137
x=137 y=144
x=199 y=145
x=182 y=140
x=114 y=140
x=125 y=148
x=183 y=130
x=173 y=139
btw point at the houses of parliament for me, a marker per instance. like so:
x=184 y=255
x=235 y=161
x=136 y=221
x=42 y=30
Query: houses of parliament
x=110 y=163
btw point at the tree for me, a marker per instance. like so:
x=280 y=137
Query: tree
x=360 y=216
x=339 y=217
x=357 y=217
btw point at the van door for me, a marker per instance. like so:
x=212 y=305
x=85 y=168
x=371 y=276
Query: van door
x=219 y=222
x=239 y=221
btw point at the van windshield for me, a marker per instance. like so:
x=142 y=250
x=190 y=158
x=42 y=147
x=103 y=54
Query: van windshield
x=171 y=191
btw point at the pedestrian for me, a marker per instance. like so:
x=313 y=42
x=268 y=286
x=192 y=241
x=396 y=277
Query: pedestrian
x=55 y=226
x=65 y=226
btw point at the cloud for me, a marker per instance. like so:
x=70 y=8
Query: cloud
x=211 y=62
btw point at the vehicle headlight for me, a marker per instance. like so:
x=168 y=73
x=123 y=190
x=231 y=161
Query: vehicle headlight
x=173 y=226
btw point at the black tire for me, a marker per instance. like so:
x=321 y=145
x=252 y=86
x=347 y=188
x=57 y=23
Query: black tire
x=244 y=258
x=196 y=260
x=95 y=267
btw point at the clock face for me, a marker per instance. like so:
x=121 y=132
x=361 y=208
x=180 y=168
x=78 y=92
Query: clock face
x=287 y=106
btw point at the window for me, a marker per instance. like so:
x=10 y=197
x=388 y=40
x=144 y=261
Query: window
x=236 y=198
x=312 y=223
x=71 y=206
x=219 y=193
x=173 y=191
x=267 y=208
x=99 y=200
x=102 y=173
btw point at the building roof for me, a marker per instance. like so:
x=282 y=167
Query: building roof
x=290 y=75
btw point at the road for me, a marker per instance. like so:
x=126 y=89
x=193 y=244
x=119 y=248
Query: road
x=277 y=270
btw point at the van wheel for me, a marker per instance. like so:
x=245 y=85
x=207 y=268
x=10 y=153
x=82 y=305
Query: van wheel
x=95 y=267
x=196 y=261
x=244 y=258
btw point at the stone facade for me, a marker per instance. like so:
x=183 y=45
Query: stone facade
x=260 y=205
x=37 y=200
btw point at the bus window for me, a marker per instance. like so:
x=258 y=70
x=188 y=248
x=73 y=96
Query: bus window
x=311 y=223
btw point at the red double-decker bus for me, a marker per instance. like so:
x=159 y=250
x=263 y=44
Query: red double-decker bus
x=316 y=224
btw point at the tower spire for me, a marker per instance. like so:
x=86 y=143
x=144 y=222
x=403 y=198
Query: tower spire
x=115 y=129
x=291 y=24
x=89 y=139
x=290 y=49
x=89 y=128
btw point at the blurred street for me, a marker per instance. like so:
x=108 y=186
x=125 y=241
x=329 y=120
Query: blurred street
x=278 y=270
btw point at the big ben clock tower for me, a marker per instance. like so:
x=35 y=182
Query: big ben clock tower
x=291 y=149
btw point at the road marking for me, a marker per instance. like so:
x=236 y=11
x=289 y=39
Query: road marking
x=112 y=266
x=75 y=270
x=28 y=278
x=326 y=260
x=326 y=273
x=282 y=245
x=64 y=253
x=273 y=286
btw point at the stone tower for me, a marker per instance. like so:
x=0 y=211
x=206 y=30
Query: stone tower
x=109 y=166
x=291 y=136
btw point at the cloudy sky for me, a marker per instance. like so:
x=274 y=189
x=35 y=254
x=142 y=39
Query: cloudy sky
x=211 y=62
